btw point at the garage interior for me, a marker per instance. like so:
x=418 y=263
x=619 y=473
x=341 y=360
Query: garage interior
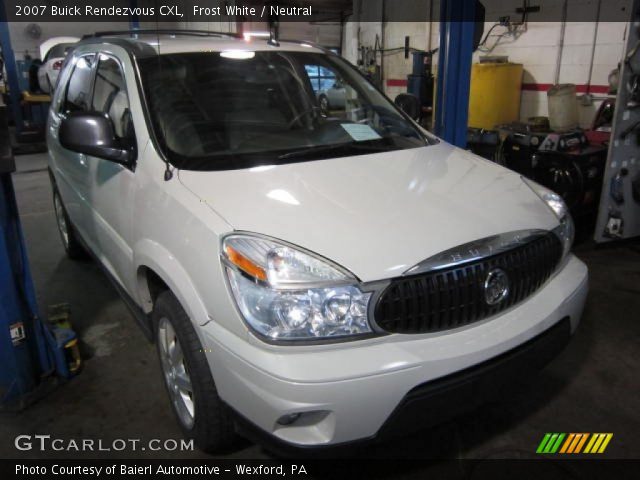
x=555 y=101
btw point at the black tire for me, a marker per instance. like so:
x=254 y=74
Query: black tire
x=72 y=246
x=212 y=426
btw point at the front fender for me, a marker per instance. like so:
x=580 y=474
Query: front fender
x=150 y=254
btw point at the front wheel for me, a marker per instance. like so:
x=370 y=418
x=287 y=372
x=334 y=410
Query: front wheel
x=201 y=413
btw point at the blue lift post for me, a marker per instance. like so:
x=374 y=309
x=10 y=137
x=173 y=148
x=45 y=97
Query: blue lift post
x=10 y=66
x=457 y=29
x=33 y=354
x=21 y=361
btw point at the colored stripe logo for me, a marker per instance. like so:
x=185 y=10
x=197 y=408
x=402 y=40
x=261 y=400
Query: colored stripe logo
x=574 y=443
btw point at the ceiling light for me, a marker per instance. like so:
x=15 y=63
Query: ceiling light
x=237 y=54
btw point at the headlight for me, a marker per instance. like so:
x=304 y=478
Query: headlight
x=285 y=293
x=565 y=231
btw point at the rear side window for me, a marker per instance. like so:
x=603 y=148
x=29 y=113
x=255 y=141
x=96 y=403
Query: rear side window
x=78 y=95
x=110 y=95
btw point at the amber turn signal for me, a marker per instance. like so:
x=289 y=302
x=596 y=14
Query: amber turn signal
x=244 y=264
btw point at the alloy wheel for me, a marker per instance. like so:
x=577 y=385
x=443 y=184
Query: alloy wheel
x=176 y=373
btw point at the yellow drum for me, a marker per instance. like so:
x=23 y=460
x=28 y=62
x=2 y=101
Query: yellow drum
x=495 y=94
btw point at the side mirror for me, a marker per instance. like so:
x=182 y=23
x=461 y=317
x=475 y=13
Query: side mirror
x=92 y=133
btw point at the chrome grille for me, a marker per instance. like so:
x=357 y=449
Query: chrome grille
x=455 y=296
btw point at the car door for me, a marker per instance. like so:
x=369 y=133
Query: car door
x=113 y=184
x=71 y=169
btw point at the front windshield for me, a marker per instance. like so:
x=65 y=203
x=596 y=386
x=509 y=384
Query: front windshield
x=228 y=110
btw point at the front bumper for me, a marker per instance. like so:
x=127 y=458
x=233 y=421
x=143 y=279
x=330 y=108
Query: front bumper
x=357 y=390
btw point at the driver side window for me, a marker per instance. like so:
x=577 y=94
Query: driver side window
x=110 y=96
x=78 y=94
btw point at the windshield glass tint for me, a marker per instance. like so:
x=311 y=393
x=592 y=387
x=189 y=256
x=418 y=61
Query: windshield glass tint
x=228 y=110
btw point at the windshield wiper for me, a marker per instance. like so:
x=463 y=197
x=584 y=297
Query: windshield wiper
x=336 y=146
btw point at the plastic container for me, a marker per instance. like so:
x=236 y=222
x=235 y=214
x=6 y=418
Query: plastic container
x=494 y=97
x=563 y=107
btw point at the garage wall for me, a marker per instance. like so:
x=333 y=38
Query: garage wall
x=326 y=34
x=396 y=67
x=536 y=48
x=228 y=26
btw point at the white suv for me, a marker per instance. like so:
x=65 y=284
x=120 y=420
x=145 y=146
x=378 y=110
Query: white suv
x=310 y=276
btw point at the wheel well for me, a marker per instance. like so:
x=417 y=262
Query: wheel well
x=150 y=285
x=52 y=179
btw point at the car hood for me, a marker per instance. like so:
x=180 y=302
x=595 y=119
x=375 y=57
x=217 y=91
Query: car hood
x=376 y=215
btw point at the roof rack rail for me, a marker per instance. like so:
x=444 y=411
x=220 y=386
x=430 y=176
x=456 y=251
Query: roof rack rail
x=193 y=33
x=313 y=44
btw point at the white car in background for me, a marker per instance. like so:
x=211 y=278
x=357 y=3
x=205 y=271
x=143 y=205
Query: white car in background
x=332 y=98
x=53 y=52
x=312 y=280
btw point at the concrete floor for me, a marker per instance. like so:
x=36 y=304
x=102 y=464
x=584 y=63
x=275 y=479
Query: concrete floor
x=592 y=386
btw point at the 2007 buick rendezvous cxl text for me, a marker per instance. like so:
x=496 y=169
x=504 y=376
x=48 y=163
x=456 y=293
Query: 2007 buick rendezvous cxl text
x=313 y=274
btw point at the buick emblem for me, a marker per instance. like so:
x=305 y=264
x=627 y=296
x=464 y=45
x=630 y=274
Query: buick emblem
x=496 y=286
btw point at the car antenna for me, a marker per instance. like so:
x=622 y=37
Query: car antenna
x=274 y=32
